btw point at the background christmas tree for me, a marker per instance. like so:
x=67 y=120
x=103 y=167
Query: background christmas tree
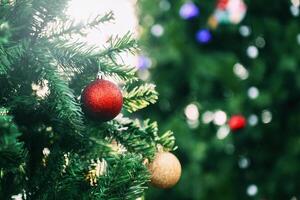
x=49 y=148
x=207 y=73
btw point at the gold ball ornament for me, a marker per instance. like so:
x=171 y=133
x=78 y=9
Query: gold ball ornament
x=165 y=170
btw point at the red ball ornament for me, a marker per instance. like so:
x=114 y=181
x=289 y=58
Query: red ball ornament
x=102 y=100
x=237 y=122
x=222 y=4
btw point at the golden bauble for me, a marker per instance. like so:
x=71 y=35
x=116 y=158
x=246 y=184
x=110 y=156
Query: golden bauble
x=165 y=170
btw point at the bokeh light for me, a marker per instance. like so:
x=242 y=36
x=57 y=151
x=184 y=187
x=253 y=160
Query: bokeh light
x=252 y=52
x=266 y=116
x=253 y=120
x=240 y=71
x=220 y=118
x=157 y=30
x=253 y=92
x=192 y=112
x=245 y=31
x=203 y=36
x=252 y=190
x=189 y=10
x=223 y=132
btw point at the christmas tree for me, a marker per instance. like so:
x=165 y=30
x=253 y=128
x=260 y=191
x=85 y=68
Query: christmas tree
x=228 y=77
x=59 y=138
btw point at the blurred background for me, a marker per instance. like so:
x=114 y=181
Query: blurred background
x=228 y=76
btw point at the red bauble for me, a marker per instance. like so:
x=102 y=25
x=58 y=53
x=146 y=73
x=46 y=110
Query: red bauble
x=102 y=100
x=237 y=122
x=222 y=4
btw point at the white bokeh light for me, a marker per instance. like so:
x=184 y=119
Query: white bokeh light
x=46 y=151
x=253 y=120
x=223 y=132
x=240 y=71
x=193 y=123
x=245 y=31
x=253 y=92
x=207 y=117
x=164 y=5
x=295 y=10
x=295 y=3
x=157 y=30
x=244 y=163
x=294 y=198
x=220 y=118
x=266 y=116
x=252 y=190
x=17 y=197
x=192 y=112
x=252 y=52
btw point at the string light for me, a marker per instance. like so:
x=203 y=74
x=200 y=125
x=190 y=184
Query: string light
x=253 y=92
x=157 y=30
x=266 y=116
x=295 y=3
x=207 y=117
x=164 y=5
x=252 y=190
x=252 y=52
x=203 y=36
x=188 y=10
x=244 y=163
x=223 y=132
x=245 y=31
x=240 y=71
x=220 y=118
x=192 y=112
x=295 y=10
x=252 y=120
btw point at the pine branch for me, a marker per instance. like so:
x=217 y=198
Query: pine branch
x=167 y=140
x=11 y=149
x=69 y=27
x=118 y=72
x=78 y=58
x=67 y=109
x=120 y=44
x=62 y=100
x=10 y=55
x=45 y=12
x=140 y=97
x=126 y=178
x=139 y=137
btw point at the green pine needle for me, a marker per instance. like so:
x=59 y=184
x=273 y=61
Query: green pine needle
x=140 y=97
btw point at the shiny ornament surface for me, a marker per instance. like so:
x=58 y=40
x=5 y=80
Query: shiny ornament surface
x=165 y=170
x=102 y=100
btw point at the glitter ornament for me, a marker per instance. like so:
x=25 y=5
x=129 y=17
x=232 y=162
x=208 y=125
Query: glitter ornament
x=165 y=170
x=102 y=100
